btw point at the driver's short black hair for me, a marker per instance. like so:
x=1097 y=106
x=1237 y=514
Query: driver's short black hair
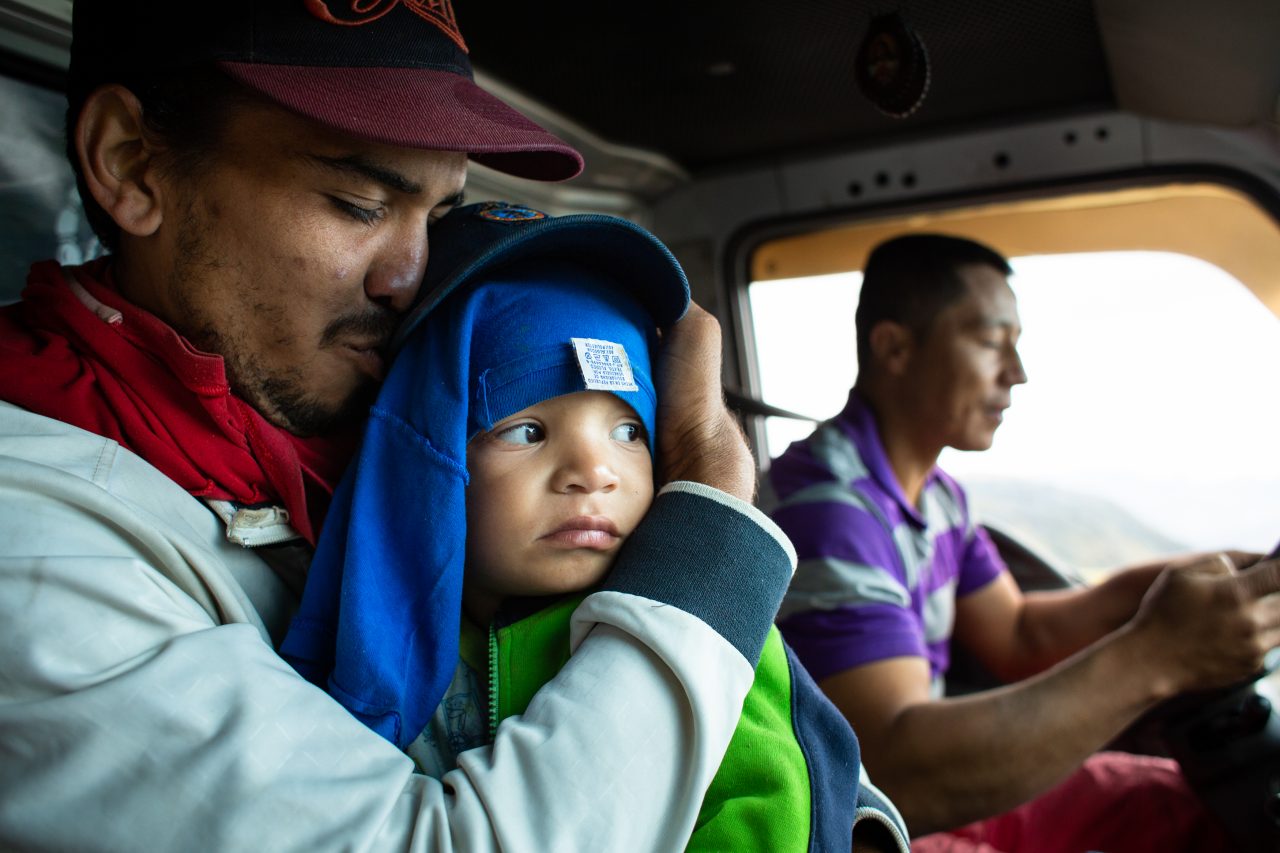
x=910 y=279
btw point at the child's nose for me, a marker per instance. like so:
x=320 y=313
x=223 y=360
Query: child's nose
x=586 y=469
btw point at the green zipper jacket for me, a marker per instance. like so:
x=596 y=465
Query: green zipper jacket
x=790 y=778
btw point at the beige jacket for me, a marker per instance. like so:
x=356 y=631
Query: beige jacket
x=142 y=706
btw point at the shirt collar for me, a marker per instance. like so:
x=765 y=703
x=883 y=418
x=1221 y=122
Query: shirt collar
x=858 y=422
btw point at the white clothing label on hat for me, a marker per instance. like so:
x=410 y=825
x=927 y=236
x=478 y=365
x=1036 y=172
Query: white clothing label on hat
x=604 y=365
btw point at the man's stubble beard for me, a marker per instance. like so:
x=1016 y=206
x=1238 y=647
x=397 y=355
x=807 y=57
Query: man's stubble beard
x=278 y=395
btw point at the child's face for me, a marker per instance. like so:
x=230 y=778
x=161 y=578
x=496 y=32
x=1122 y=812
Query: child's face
x=555 y=489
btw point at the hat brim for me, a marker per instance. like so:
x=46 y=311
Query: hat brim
x=618 y=248
x=415 y=108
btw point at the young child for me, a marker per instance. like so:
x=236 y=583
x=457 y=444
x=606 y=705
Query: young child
x=536 y=356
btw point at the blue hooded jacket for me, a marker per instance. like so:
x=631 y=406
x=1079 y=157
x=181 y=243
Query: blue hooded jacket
x=379 y=620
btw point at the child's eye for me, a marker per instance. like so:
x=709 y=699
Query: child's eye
x=627 y=432
x=520 y=434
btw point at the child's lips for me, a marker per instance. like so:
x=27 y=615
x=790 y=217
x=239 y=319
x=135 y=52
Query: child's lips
x=586 y=531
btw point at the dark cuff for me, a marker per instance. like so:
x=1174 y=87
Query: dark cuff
x=712 y=556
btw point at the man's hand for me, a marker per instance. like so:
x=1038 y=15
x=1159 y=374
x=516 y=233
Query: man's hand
x=1207 y=625
x=698 y=438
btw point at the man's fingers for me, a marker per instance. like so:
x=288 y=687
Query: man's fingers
x=698 y=438
x=691 y=354
x=1244 y=559
x=1261 y=580
x=695 y=323
x=1267 y=613
x=695 y=313
x=1217 y=563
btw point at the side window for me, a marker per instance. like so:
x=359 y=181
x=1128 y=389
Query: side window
x=40 y=212
x=1147 y=427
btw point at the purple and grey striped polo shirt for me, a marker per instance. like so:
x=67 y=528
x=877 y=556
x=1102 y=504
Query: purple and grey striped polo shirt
x=878 y=578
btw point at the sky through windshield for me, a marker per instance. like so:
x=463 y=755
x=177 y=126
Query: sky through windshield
x=1153 y=384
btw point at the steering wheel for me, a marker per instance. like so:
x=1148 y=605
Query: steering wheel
x=1227 y=742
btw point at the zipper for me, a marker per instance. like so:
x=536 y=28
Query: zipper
x=493 y=682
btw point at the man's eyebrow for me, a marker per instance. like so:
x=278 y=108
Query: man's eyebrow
x=357 y=164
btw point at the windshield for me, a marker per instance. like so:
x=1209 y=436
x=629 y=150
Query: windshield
x=1148 y=424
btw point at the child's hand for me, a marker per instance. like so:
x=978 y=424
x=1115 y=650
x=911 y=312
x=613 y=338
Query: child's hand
x=698 y=438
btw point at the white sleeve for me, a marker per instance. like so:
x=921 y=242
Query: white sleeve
x=131 y=718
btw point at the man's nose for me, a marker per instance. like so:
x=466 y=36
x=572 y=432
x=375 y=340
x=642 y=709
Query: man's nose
x=396 y=272
x=1015 y=373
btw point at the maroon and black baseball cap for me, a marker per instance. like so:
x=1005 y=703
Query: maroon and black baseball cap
x=390 y=71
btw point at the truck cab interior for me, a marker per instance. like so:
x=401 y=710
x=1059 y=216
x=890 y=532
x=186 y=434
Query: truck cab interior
x=771 y=145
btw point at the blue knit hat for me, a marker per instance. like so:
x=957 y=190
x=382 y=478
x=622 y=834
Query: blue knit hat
x=550 y=329
x=544 y=282
x=517 y=307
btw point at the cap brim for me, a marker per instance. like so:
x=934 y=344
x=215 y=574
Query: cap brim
x=619 y=249
x=415 y=108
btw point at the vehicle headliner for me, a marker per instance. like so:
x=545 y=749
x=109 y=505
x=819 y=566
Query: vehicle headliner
x=725 y=83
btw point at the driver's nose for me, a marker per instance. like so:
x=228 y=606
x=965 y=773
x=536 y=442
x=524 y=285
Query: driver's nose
x=1014 y=372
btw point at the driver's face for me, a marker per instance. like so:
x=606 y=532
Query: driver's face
x=294 y=253
x=960 y=376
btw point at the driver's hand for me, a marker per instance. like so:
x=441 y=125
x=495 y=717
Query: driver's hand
x=1209 y=625
x=1244 y=559
x=698 y=438
x=1237 y=559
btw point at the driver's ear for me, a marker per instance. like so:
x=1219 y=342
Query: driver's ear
x=118 y=162
x=891 y=346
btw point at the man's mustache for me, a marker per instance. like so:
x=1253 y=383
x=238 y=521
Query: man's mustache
x=372 y=329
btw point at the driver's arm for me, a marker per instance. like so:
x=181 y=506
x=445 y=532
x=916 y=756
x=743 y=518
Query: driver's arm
x=948 y=762
x=1016 y=635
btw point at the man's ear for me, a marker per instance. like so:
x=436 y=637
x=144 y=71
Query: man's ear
x=891 y=346
x=117 y=161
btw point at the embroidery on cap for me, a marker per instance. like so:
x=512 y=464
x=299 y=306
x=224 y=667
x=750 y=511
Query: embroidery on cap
x=437 y=12
x=502 y=212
